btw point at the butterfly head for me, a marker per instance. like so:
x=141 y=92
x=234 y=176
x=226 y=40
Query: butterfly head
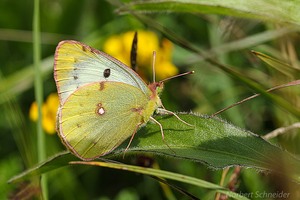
x=156 y=88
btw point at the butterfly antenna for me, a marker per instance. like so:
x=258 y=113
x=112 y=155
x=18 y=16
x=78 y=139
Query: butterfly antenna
x=178 y=75
x=153 y=65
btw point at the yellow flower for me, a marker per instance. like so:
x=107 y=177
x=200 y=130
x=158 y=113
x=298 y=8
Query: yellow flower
x=164 y=67
x=49 y=109
x=114 y=46
x=119 y=46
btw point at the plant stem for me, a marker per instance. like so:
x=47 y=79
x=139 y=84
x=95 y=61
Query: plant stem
x=38 y=89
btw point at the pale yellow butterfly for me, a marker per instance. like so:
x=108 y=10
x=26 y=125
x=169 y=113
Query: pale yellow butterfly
x=102 y=101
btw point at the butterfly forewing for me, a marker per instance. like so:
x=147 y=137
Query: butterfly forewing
x=77 y=64
x=99 y=116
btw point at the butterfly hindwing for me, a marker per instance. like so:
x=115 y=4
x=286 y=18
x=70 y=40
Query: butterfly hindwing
x=77 y=64
x=99 y=116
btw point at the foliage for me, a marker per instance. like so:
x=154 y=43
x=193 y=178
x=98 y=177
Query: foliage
x=213 y=38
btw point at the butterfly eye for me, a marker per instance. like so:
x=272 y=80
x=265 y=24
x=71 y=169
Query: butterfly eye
x=106 y=73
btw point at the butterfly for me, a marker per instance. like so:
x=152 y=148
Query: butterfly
x=102 y=101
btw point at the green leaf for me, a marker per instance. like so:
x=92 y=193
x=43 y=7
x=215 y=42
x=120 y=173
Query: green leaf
x=210 y=141
x=267 y=10
x=278 y=65
x=167 y=175
x=59 y=160
x=65 y=158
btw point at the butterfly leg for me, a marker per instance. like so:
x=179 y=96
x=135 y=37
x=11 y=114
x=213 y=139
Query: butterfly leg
x=160 y=126
x=132 y=136
x=162 y=132
x=164 y=111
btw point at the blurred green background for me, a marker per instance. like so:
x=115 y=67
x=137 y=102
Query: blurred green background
x=226 y=39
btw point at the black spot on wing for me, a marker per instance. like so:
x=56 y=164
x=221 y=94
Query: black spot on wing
x=106 y=73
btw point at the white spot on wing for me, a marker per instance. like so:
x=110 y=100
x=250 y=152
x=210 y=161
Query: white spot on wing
x=99 y=109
